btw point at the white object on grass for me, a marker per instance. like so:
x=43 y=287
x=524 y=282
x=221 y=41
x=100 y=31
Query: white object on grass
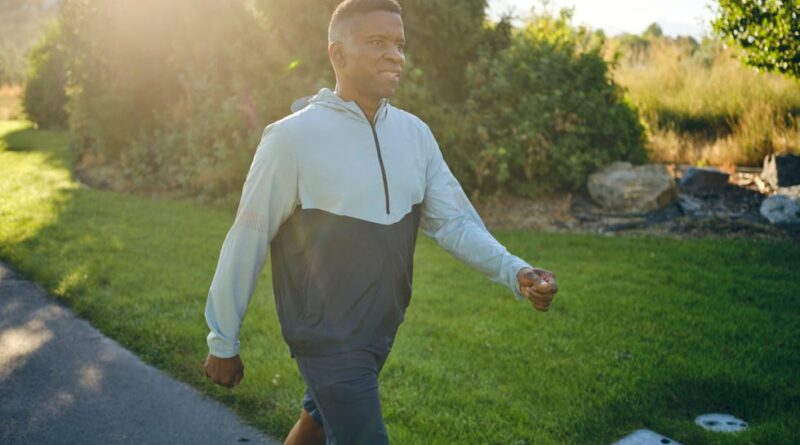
x=646 y=437
x=724 y=423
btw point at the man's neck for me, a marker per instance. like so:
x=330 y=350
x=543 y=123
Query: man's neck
x=367 y=105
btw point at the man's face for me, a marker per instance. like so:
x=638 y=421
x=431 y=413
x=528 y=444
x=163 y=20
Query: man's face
x=373 y=54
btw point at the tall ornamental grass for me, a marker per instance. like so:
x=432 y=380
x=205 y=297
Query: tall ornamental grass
x=703 y=106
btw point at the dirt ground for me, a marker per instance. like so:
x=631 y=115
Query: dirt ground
x=567 y=212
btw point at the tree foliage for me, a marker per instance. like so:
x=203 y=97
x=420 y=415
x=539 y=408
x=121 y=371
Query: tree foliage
x=172 y=96
x=45 y=98
x=768 y=30
x=543 y=113
x=21 y=22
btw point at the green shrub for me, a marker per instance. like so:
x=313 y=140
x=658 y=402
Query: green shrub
x=173 y=95
x=543 y=113
x=44 y=96
x=22 y=23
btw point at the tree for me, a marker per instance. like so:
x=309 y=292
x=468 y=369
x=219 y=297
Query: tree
x=45 y=97
x=767 y=30
x=21 y=21
x=653 y=31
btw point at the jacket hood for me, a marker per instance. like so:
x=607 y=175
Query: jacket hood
x=327 y=98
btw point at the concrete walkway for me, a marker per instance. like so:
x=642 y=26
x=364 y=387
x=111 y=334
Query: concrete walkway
x=63 y=382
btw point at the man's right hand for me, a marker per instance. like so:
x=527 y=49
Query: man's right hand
x=538 y=285
x=227 y=372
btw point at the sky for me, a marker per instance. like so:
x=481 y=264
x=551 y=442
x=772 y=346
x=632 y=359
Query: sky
x=676 y=17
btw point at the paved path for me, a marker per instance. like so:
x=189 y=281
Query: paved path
x=63 y=382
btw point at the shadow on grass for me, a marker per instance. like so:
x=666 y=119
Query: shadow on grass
x=54 y=144
x=669 y=403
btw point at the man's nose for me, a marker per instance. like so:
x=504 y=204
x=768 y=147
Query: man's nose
x=396 y=56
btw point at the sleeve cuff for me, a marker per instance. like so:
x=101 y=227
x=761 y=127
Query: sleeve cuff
x=515 y=283
x=219 y=347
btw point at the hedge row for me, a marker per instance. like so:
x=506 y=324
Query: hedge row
x=174 y=95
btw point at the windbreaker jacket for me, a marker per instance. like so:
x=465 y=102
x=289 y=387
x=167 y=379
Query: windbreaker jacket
x=339 y=200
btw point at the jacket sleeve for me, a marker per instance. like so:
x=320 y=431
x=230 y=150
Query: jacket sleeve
x=449 y=218
x=268 y=198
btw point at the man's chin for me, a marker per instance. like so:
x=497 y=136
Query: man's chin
x=387 y=89
x=383 y=91
x=389 y=92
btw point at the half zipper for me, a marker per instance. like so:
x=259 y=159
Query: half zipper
x=377 y=144
x=383 y=169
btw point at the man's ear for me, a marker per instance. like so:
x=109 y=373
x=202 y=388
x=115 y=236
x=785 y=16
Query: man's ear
x=336 y=53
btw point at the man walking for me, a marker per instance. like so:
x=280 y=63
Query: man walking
x=337 y=191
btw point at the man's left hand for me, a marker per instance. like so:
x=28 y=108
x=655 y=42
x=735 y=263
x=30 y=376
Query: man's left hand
x=539 y=286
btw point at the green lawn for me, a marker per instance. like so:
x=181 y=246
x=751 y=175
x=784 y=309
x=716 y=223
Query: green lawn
x=644 y=333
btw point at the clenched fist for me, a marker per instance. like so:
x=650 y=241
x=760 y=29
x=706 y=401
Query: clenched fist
x=227 y=372
x=539 y=286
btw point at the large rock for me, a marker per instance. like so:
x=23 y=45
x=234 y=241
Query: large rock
x=621 y=187
x=696 y=179
x=781 y=209
x=691 y=206
x=781 y=170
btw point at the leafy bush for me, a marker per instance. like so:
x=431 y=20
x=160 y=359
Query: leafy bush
x=22 y=22
x=543 y=113
x=44 y=97
x=173 y=95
